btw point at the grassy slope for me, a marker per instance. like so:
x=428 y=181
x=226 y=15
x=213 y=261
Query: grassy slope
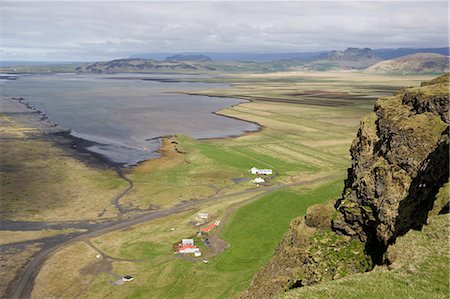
x=419 y=271
x=255 y=230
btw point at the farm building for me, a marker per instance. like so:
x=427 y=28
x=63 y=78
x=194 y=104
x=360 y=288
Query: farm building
x=255 y=170
x=188 y=249
x=187 y=241
x=202 y=215
x=258 y=180
x=210 y=227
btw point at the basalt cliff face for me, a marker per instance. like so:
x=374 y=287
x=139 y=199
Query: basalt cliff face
x=399 y=168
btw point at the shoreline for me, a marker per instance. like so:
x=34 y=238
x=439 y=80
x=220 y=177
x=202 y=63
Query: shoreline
x=78 y=147
x=244 y=133
x=74 y=146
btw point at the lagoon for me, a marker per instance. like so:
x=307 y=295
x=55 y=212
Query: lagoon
x=125 y=114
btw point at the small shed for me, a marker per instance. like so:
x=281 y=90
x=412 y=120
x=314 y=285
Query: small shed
x=259 y=180
x=187 y=241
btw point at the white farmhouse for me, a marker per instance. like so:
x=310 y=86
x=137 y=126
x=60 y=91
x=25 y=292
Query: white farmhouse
x=255 y=170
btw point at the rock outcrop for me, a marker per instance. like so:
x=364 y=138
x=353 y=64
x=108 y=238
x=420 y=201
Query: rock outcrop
x=399 y=176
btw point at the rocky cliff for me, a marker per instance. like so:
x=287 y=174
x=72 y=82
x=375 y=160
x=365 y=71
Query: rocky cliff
x=399 y=168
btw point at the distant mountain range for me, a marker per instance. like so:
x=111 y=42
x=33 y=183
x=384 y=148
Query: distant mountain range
x=256 y=57
x=141 y=65
x=414 y=63
x=399 y=52
x=351 y=58
x=193 y=57
x=293 y=56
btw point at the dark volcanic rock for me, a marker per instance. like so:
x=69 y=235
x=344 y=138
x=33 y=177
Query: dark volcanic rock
x=400 y=160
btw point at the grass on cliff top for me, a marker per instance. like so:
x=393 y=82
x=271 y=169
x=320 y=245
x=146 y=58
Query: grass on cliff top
x=420 y=270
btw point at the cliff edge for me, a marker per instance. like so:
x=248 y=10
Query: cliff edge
x=398 y=179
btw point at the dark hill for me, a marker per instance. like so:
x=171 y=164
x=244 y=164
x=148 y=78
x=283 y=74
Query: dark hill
x=141 y=65
x=351 y=58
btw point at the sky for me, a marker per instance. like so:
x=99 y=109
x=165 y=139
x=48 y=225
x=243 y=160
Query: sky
x=103 y=30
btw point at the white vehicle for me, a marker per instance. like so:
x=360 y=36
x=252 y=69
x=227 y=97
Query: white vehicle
x=127 y=278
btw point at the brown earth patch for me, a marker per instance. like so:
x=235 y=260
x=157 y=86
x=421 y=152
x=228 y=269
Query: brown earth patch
x=171 y=156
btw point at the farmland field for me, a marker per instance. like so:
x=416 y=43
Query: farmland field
x=308 y=123
x=159 y=274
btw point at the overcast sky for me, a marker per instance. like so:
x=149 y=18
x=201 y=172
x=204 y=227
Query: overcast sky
x=101 y=30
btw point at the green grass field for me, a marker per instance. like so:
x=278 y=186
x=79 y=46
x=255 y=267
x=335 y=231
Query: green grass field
x=256 y=228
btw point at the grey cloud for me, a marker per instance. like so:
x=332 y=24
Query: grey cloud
x=110 y=29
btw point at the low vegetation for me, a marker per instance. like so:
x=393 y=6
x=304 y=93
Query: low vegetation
x=420 y=270
x=39 y=181
x=11 y=260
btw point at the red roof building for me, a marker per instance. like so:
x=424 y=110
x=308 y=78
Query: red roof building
x=208 y=228
x=187 y=248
